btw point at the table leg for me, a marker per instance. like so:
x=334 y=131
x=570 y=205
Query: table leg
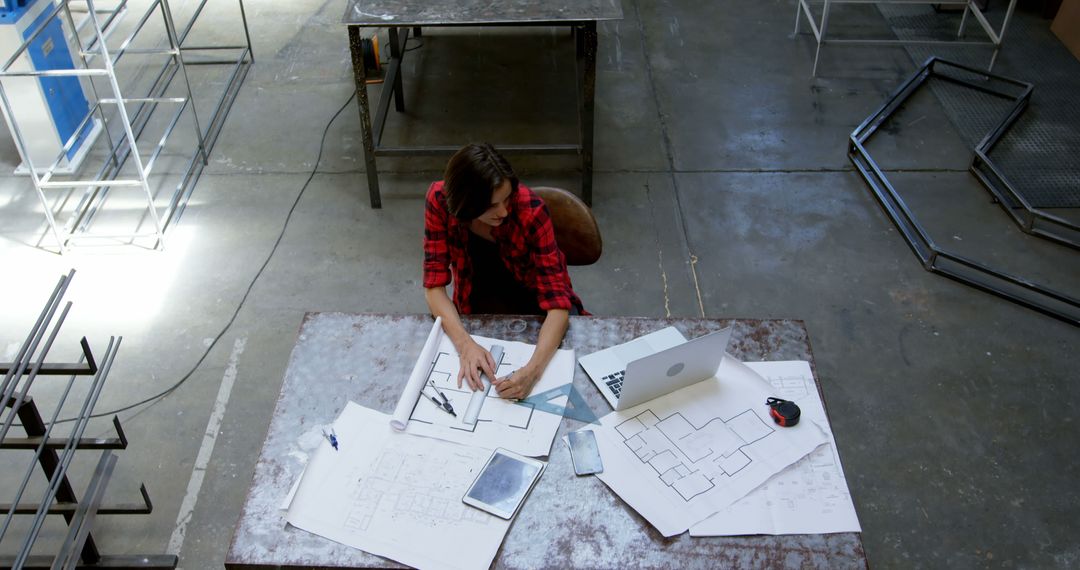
x=395 y=54
x=585 y=41
x=360 y=77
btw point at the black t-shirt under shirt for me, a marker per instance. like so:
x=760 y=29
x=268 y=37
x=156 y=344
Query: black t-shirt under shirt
x=494 y=289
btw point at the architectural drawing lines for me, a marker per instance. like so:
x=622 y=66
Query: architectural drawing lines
x=404 y=484
x=495 y=410
x=692 y=459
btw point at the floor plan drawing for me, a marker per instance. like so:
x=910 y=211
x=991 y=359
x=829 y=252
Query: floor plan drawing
x=688 y=458
x=479 y=418
x=399 y=484
x=794 y=387
x=443 y=376
x=394 y=491
x=681 y=457
x=809 y=497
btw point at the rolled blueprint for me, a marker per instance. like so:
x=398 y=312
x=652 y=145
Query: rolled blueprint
x=476 y=402
x=417 y=379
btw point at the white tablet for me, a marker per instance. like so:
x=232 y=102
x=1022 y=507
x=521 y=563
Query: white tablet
x=503 y=483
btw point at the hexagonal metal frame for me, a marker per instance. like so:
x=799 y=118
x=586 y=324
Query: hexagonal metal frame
x=936 y=259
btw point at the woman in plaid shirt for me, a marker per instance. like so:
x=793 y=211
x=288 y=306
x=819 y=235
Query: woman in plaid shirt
x=492 y=237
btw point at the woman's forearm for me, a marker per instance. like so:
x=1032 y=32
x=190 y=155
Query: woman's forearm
x=441 y=306
x=474 y=358
x=551 y=335
x=521 y=382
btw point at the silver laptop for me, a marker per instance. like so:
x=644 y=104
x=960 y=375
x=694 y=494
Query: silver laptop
x=653 y=365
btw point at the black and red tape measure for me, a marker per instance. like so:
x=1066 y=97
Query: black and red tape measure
x=784 y=412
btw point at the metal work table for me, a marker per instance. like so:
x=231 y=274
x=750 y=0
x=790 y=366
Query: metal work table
x=405 y=16
x=568 y=521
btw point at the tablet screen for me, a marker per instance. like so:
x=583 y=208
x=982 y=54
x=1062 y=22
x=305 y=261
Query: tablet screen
x=503 y=483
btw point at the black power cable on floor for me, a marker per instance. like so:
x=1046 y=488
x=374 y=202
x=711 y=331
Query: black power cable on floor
x=160 y=395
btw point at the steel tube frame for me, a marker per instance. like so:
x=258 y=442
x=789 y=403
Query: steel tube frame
x=61 y=508
x=83 y=517
x=17 y=400
x=120 y=9
x=77 y=183
x=58 y=478
x=87 y=121
x=88 y=204
x=87 y=367
x=114 y=14
x=585 y=39
x=29 y=346
x=1011 y=287
x=32 y=442
x=120 y=51
x=54 y=456
x=78 y=223
x=48 y=459
x=820 y=31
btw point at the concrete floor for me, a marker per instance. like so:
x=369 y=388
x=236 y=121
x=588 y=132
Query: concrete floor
x=722 y=188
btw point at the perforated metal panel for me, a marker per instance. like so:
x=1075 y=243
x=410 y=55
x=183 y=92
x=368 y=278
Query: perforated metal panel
x=1041 y=153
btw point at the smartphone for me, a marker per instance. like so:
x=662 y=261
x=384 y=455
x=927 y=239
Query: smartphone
x=584 y=453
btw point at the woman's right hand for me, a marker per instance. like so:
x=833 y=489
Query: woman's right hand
x=474 y=360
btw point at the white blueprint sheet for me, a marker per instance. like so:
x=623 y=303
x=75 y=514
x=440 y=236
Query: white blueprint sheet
x=501 y=423
x=397 y=495
x=811 y=496
x=684 y=456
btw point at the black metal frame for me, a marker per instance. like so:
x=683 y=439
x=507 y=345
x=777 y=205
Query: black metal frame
x=54 y=455
x=585 y=49
x=1033 y=221
x=933 y=257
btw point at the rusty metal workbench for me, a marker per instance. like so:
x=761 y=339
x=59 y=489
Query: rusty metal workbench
x=568 y=521
x=402 y=17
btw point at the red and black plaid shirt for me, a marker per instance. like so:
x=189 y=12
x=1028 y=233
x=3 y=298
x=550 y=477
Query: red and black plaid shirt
x=526 y=243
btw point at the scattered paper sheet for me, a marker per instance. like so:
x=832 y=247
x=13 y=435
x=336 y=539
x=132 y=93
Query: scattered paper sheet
x=811 y=496
x=686 y=455
x=519 y=427
x=397 y=495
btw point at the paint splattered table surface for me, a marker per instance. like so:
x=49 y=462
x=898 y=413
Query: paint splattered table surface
x=568 y=521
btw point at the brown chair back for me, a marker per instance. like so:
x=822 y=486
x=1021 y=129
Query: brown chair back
x=576 y=230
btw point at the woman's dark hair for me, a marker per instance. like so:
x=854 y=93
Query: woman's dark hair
x=471 y=177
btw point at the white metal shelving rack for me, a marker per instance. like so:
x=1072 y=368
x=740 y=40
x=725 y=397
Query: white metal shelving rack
x=819 y=29
x=126 y=163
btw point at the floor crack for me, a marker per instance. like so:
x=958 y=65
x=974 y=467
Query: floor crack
x=659 y=253
x=697 y=287
x=670 y=154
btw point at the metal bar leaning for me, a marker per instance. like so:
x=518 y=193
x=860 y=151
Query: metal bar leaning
x=53 y=456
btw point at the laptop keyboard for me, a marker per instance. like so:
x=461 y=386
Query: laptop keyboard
x=614 y=381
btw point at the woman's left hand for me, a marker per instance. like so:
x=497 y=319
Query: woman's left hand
x=518 y=385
